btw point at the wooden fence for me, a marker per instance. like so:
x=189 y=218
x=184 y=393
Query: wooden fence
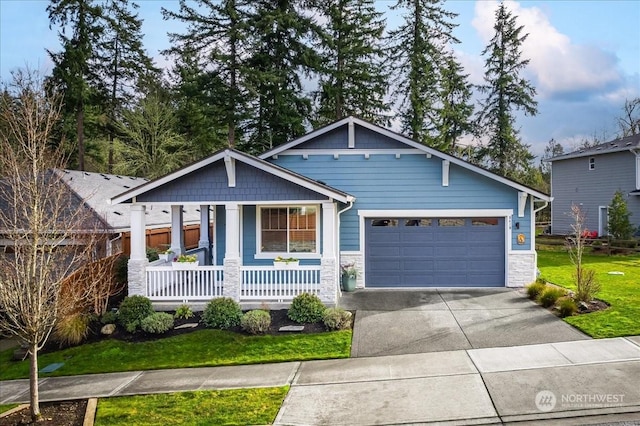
x=161 y=238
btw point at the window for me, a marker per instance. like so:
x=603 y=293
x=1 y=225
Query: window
x=592 y=163
x=484 y=221
x=385 y=222
x=450 y=222
x=417 y=222
x=288 y=229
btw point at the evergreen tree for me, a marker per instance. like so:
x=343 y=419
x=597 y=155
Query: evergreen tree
x=73 y=71
x=201 y=108
x=431 y=88
x=279 y=57
x=353 y=78
x=147 y=143
x=619 y=227
x=506 y=92
x=121 y=59
x=217 y=36
x=452 y=117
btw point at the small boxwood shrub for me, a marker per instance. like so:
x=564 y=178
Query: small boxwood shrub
x=535 y=289
x=222 y=313
x=109 y=317
x=184 y=312
x=256 y=322
x=549 y=296
x=336 y=319
x=567 y=307
x=306 y=308
x=132 y=311
x=157 y=323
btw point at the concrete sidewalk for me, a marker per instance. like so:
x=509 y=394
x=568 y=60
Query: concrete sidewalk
x=580 y=382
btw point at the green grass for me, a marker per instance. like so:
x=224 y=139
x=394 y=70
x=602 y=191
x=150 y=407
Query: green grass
x=203 y=348
x=227 y=407
x=7 y=407
x=622 y=292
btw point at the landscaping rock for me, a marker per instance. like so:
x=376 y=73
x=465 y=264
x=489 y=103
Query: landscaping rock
x=292 y=328
x=108 y=329
x=187 y=325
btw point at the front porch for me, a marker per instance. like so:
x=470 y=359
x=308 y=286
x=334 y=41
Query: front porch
x=284 y=215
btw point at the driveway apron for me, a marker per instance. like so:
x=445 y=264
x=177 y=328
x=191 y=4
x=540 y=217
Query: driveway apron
x=396 y=322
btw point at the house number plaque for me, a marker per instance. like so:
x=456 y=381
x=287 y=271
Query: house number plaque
x=521 y=239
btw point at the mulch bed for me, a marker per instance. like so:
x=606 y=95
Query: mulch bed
x=65 y=413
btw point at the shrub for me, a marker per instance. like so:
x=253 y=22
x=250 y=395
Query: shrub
x=109 y=318
x=306 y=308
x=336 y=319
x=567 y=307
x=256 y=322
x=184 y=312
x=157 y=323
x=588 y=286
x=133 y=310
x=222 y=313
x=72 y=329
x=549 y=296
x=534 y=289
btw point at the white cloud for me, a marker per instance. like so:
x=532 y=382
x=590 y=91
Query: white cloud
x=559 y=68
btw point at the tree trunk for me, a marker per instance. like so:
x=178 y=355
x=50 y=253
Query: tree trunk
x=34 y=396
x=80 y=131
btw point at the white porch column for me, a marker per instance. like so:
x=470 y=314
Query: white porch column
x=177 y=234
x=232 y=278
x=204 y=242
x=138 y=258
x=328 y=264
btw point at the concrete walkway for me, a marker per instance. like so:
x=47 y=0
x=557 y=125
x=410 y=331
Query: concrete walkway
x=579 y=382
x=395 y=322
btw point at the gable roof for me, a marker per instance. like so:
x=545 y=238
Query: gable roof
x=410 y=143
x=230 y=153
x=617 y=145
x=95 y=189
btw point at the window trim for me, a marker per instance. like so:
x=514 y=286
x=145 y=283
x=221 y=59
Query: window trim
x=592 y=163
x=259 y=254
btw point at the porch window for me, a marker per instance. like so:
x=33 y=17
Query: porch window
x=291 y=229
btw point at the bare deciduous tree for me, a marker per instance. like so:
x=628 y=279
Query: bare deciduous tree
x=586 y=284
x=42 y=224
x=630 y=122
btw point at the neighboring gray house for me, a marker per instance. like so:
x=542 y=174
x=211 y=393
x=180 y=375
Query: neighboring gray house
x=590 y=177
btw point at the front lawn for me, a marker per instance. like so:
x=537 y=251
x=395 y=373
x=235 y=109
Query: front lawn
x=203 y=348
x=7 y=407
x=622 y=292
x=227 y=407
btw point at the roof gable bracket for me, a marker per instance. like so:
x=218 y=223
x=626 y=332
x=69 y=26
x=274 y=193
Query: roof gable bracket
x=522 y=203
x=445 y=172
x=230 y=165
x=352 y=133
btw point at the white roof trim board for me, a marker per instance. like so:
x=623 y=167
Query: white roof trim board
x=226 y=155
x=405 y=140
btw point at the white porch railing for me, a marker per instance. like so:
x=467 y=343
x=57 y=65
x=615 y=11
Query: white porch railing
x=268 y=283
x=166 y=283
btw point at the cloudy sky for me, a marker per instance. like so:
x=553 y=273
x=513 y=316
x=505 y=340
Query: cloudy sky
x=584 y=55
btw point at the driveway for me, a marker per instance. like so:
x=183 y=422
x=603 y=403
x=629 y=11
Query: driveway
x=396 y=322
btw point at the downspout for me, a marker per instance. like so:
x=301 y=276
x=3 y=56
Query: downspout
x=350 y=200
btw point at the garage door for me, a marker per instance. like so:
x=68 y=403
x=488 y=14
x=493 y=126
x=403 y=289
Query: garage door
x=435 y=252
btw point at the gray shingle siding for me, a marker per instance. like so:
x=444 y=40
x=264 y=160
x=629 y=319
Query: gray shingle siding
x=573 y=183
x=211 y=184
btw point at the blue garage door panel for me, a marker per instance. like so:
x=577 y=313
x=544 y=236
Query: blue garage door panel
x=435 y=252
